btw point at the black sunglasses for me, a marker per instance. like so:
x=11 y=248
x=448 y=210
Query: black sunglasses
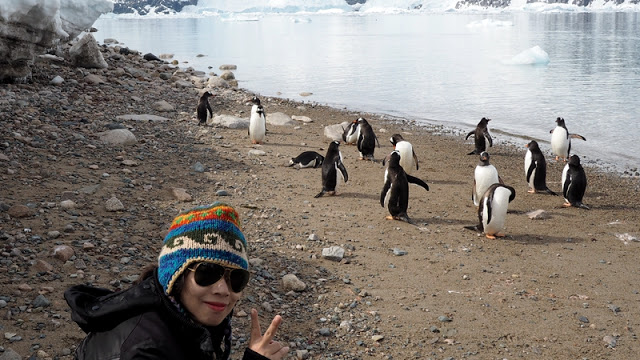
x=206 y=274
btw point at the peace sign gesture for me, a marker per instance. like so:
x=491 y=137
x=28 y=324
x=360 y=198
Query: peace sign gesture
x=264 y=345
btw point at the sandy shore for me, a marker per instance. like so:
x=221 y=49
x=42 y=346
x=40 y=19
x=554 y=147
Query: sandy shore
x=560 y=287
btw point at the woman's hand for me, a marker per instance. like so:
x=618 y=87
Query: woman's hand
x=264 y=345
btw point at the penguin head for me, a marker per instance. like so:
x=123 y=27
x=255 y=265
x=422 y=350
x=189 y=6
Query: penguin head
x=206 y=95
x=395 y=139
x=484 y=121
x=334 y=145
x=254 y=100
x=574 y=160
x=362 y=121
x=533 y=145
x=484 y=157
x=393 y=158
x=560 y=121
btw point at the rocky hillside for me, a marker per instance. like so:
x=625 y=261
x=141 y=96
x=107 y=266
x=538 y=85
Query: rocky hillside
x=143 y=7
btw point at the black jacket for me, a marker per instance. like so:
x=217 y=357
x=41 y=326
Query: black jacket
x=141 y=323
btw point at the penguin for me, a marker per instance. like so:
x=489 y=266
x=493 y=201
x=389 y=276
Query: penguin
x=492 y=211
x=257 y=124
x=408 y=158
x=574 y=183
x=307 y=159
x=395 y=192
x=203 y=106
x=484 y=176
x=535 y=169
x=350 y=134
x=482 y=137
x=366 y=140
x=561 y=140
x=333 y=170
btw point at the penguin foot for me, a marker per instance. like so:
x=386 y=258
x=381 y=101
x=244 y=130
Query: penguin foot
x=566 y=205
x=389 y=217
x=531 y=191
x=583 y=206
x=489 y=236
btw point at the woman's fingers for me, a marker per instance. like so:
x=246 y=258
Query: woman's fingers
x=256 y=334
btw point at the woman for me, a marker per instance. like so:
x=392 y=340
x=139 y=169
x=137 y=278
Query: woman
x=182 y=308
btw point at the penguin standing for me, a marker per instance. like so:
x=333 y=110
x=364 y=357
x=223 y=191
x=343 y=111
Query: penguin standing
x=561 y=140
x=350 y=134
x=395 y=192
x=492 y=211
x=481 y=136
x=333 y=170
x=408 y=158
x=366 y=140
x=307 y=159
x=257 y=122
x=484 y=176
x=574 y=183
x=535 y=169
x=203 y=106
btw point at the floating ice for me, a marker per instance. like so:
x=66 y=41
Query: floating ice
x=489 y=23
x=533 y=56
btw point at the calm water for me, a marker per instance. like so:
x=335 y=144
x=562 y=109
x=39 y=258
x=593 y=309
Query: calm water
x=438 y=68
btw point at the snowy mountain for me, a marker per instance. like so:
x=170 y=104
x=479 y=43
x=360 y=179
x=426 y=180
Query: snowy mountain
x=507 y=3
x=144 y=7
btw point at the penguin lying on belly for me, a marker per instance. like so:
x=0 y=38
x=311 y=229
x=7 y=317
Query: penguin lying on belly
x=395 y=192
x=307 y=159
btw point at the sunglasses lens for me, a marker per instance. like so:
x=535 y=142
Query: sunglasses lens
x=207 y=274
x=238 y=279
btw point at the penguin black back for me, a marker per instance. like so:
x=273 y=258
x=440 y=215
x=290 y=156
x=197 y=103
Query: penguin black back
x=332 y=168
x=366 y=140
x=203 y=107
x=574 y=183
x=481 y=137
x=537 y=169
x=307 y=159
x=396 y=189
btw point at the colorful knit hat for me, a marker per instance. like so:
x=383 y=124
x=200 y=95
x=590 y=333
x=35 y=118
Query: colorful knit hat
x=209 y=233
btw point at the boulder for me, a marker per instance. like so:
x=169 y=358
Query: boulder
x=86 y=53
x=230 y=122
x=334 y=132
x=118 y=137
x=279 y=119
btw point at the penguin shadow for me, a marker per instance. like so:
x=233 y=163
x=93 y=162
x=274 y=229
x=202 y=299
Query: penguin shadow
x=447 y=182
x=537 y=239
x=446 y=221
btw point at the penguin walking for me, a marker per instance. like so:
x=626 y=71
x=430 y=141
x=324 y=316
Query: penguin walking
x=492 y=211
x=535 y=169
x=574 y=183
x=307 y=159
x=333 y=170
x=350 y=134
x=203 y=106
x=561 y=140
x=395 y=192
x=257 y=122
x=481 y=137
x=484 y=176
x=366 y=140
x=408 y=158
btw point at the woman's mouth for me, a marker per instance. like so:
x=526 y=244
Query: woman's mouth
x=215 y=306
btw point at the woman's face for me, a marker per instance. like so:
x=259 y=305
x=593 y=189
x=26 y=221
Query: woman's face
x=208 y=305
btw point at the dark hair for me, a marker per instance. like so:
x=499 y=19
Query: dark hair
x=150 y=269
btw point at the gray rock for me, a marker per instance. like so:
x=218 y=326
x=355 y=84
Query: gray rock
x=538 y=215
x=279 y=119
x=257 y=152
x=304 y=119
x=118 y=137
x=230 y=122
x=114 y=204
x=198 y=167
x=399 y=252
x=291 y=282
x=228 y=67
x=86 y=53
x=9 y=354
x=222 y=193
x=162 y=106
x=313 y=237
x=334 y=132
x=217 y=82
x=141 y=117
x=181 y=194
x=63 y=252
x=56 y=80
x=40 y=301
x=333 y=253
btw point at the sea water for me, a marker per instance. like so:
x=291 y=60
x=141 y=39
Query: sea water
x=521 y=69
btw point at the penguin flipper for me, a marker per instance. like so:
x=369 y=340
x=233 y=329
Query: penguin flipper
x=417 y=181
x=532 y=167
x=469 y=134
x=550 y=192
x=343 y=171
x=415 y=158
x=576 y=136
x=385 y=190
x=500 y=181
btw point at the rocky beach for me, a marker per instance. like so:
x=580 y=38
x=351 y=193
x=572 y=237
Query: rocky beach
x=95 y=162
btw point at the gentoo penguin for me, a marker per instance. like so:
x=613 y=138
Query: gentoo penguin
x=366 y=140
x=395 y=192
x=203 y=106
x=333 y=170
x=257 y=123
x=481 y=136
x=535 y=169
x=561 y=140
x=574 y=183
x=350 y=134
x=408 y=158
x=307 y=159
x=493 y=209
x=484 y=176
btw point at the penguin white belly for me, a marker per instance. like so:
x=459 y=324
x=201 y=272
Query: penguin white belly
x=352 y=135
x=499 y=207
x=527 y=163
x=257 y=127
x=560 y=142
x=486 y=143
x=406 y=156
x=485 y=176
x=564 y=178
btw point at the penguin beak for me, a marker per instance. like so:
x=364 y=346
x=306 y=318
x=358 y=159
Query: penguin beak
x=526 y=146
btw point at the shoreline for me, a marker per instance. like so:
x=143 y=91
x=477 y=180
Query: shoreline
x=560 y=286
